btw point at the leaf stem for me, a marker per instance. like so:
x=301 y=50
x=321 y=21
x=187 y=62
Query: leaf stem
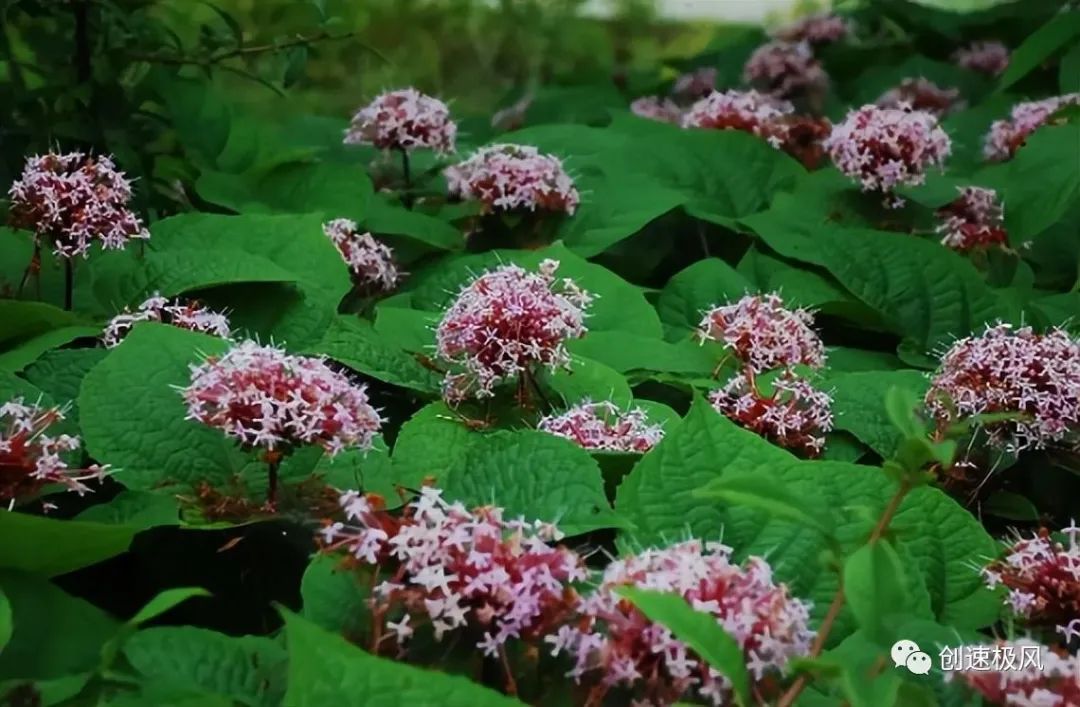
x=887 y=515
x=406 y=196
x=207 y=61
x=69 y=283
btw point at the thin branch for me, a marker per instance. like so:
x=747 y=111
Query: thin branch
x=792 y=694
x=213 y=59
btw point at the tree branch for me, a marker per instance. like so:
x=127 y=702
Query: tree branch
x=211 y=60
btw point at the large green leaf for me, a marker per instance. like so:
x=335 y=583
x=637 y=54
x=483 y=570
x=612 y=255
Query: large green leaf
x=618 y=306
x=133 y=416
x=936 y=537
x=247 y=669
x=1038 y=47
x=533 y=474
x=295 y=243
x=875 y=587
x=49 y=547
x=26 y=352
x=357 y=344
x=587 y=379
x=325 y=670
x=338 y=190
x=335 y=598
x=54 y=634
x=614 y=207
x=431 y=443
x=692 y=291
x=628 y=352
x=859 y=405
x=60 y=374
x=1039 y=187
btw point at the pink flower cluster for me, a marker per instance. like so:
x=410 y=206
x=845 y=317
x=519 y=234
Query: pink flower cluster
x=190 y=316
x=923 y=95
x=371 y=262
x=990 y=58
x=883 y=148
x=762 y=333
x=663 y=110
x=266 y=398
x=749 y=111
x=785 y=69
x=819 y=28
x=505 y=322
x=72 y=199
x=1051 y=684
x=514 y=177
x=603 y=426
x=695 y=84
x=973 y=221
x=628 y=650
x=1008 y=136
x=451 y=567
x=1006 y=370
x=795 y=415
x=30 y=458
x=1043 y=578
x=403 y=120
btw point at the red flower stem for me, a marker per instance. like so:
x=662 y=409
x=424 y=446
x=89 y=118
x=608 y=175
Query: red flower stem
x=511 y=684
x=32 y=268
x=272 y=469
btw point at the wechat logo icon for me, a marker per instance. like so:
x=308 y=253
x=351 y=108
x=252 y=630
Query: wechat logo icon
x=907 y=654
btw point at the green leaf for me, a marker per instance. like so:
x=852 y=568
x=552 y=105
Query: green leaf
x=385 y=219
x=6 y=625
x=166 y=600
x=936 y=537
x=875 y=588
x=859 y=405
x=123 y=279
x=723 y=174
x=625 y=352
x=247 y=669
x=133 y=416
x=30 y=350
x=619 y=306
x=1039 y=188
x=699 y=630
x=60 y=374
x=325 y=670
x=335 y=189
x=357 y=344
x=134 y=509
x=1040 y=46
x=613 y=208
x=692 y=291
x=763 y=491
x=1011 y=506
x=586 y=380
x=25 y=320
x=1069 y=71
x=431 y=443
x=335 y=598
x=50 y=547
x=295 y=243
x=54 y=634
x=532 y=474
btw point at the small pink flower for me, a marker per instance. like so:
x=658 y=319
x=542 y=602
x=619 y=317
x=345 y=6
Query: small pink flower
x=30 y=458
x=266 y=398
x=71 y=200
x=1006 y=370
x=795 y=415
x=403 y=120
x=175 y=313
x=990 y=58
x=762 y=333
x=785 y=69
x=371 y=262
x=514 y=178
x=449 y=567
x=695 y=84
x=505 y=322
x=603 y=426
x=922 y=94
x=1045 y=679
x=618 y=643
x=663 y=110
x=883 y=148
x=975 y=221
x=817 y=29
x=1043 y=578
x=1008 y=136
